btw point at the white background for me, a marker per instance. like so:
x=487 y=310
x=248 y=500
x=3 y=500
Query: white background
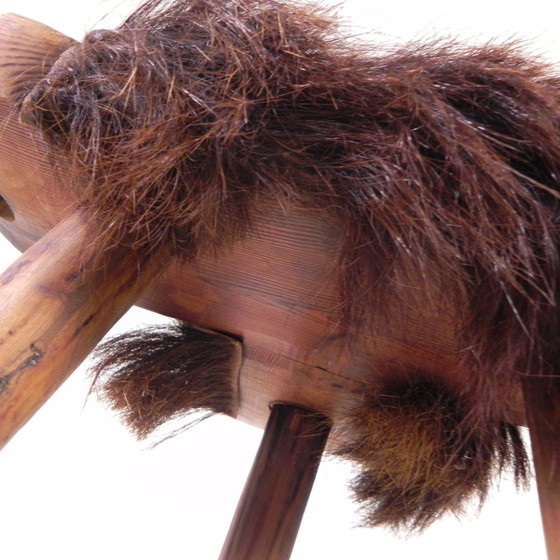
x=74 y=485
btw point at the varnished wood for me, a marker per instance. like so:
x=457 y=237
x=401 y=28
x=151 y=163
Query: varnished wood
x=56 y=303
x=271 y=507
x=27 y=51
x=542 y=400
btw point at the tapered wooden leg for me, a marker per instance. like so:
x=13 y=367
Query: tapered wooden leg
x=271 y=507
x=56 y=302
x=542 y=403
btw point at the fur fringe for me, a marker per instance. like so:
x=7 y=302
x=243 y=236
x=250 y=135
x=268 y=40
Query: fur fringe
x=159 y=374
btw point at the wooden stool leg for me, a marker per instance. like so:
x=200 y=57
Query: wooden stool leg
x=56 y=303
x=270 y=510
x=542 y=403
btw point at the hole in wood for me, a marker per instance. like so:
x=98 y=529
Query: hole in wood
x=5 y=211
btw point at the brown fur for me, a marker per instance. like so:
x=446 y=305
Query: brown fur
x=420 y=456
x=160 y=374
x=438 y=164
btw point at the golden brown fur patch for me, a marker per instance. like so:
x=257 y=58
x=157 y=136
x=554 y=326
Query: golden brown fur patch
x=420 y=456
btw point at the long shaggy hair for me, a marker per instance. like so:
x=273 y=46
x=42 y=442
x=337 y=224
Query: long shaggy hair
x=438 y=165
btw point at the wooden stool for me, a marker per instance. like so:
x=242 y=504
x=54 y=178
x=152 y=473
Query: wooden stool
x=275 y=291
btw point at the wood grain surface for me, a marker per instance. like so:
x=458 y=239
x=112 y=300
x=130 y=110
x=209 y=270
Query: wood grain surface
x=56 y=303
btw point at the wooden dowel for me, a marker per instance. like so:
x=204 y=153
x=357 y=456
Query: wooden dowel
x=56 y=303
x=273 y=502
x=542 y=403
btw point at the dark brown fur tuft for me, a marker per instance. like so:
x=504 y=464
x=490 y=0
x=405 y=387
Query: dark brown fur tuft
x=159 y=374
x=420 y=457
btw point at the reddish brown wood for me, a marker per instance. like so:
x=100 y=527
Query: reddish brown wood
x=271 y=507
x=542 y=401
